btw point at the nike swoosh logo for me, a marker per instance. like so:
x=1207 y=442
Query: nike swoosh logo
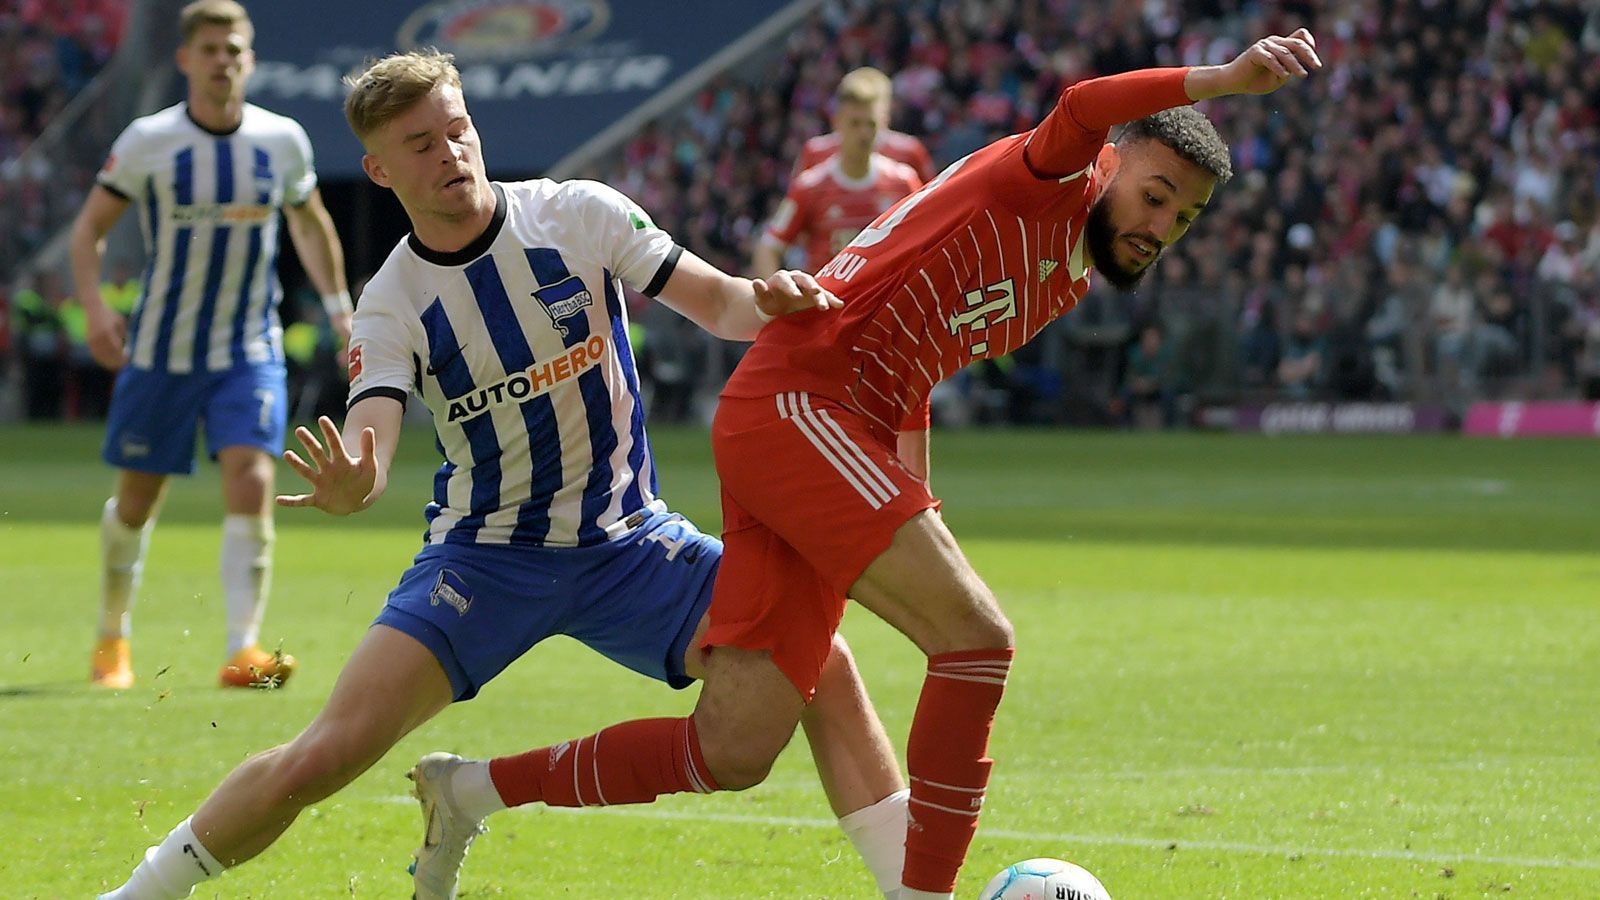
x=435 y=368
x=435 y=831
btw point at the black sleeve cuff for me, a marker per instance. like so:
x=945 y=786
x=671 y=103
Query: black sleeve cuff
x=115 y=192
x=665 y=272
x=393 y=393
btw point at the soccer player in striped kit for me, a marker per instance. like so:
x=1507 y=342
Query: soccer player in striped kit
x=206 y=179
x=503 y=312
x=970 y=267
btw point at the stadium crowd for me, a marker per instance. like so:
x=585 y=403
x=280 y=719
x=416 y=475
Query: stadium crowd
x=1422 y=224
x=49 y=51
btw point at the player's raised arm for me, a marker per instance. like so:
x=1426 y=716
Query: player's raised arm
x=1262 y=68
x=1071 y=136
x=343 y=483
x=733 y=308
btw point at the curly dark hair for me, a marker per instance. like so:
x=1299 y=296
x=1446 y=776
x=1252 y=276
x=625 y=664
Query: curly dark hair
x=1189 y=133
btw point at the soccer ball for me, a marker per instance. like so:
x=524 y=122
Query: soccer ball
x=1044 y=879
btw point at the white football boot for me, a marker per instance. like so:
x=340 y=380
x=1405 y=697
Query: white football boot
x=447 y=834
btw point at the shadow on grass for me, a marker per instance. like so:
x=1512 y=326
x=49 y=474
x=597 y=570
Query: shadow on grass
x=53 y=689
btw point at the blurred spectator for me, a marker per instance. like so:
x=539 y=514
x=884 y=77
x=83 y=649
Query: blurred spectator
x=1587 y=329
x=1259 y=313
x=1563 y=260
x=41 y=340
x=1300 y=372
x=1148 y=387
x=1394 y=357
x=1501 y=336
x=1452 y=312
x=673 y=356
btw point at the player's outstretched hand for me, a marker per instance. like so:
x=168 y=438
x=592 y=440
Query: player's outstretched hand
x=1271 y=63
x=787 y=291
x=107 y=333
x=341 y=484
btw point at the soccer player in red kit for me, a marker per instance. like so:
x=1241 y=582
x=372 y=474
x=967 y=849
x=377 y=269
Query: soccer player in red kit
x=821 y=440
x=896 y=145
x=828 y=204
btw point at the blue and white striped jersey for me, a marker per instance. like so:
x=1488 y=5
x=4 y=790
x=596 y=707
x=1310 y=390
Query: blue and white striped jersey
x=518 y=344
x=208 y=205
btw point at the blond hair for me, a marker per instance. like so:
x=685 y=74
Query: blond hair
x=389 y=86
x=201 y=13
x=864 y=85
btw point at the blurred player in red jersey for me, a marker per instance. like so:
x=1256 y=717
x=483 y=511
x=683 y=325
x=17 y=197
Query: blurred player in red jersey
x=829 y=203
x=896 y=145
x=821 y=436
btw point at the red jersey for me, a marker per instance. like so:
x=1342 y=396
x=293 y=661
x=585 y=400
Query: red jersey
x=896 y=145
x=826 y=208
x=970 y=267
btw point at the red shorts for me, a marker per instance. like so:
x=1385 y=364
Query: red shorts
x=809 y=499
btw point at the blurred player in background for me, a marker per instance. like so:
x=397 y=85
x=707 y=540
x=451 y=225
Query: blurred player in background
x=829 y=203
x=207 y=178
x=821 y=438
x=503 y=312
x=896 y=145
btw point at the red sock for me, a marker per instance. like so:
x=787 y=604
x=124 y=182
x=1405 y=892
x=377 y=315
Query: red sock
x=634 y=762
x=945 y=757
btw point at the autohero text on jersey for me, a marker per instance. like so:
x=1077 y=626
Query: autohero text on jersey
x=539 y=378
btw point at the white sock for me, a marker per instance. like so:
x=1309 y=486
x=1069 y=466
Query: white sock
x=171 y=870
x=473 y=791
x=121 y=562
x=879 y=835
x=246 y=576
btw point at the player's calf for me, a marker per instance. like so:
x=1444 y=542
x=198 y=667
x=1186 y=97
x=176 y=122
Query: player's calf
x=748 y=710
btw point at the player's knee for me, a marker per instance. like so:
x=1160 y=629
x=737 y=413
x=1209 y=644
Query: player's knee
x=134 y=513
x=246 y=467
x=136 y=501
x=980 y=625
x=741 y=768
x=251 y=477
x=995 y=631
x=739 y=754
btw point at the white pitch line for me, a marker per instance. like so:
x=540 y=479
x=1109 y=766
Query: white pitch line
x=1117 y=840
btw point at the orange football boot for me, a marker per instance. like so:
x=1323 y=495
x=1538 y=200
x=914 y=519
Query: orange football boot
x=255 y=667
x=111 y=666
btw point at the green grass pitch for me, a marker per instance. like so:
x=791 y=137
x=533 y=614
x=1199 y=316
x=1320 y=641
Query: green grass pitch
x=1248 y=668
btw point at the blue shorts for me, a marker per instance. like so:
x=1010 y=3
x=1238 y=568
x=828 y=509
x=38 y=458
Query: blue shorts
x=154 y=415
x=635 y=599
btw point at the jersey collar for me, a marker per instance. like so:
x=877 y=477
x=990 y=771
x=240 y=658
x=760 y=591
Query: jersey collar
x=189 y=114
x=473 y=250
